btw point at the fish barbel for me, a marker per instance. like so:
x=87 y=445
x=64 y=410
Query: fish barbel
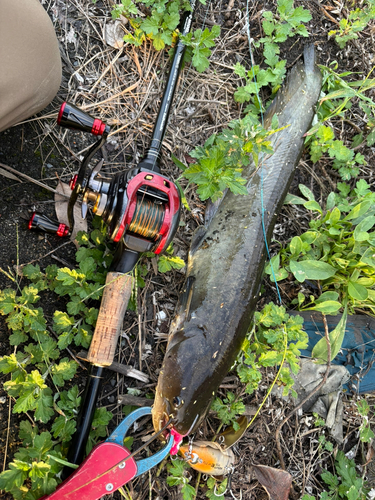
x=226 y=262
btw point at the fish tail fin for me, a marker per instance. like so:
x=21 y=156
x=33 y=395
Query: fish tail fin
x=310 y=58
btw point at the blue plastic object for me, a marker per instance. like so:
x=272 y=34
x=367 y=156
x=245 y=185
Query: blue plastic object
x=358 y=349
x=118 y=436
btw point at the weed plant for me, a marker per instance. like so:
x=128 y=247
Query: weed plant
x=356 y=22
x=344 y=483
x=160 y=22
x=39 y=371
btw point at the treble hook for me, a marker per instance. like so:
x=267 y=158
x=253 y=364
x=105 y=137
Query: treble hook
x=231 y=492
x=229 y=486
x=219 y=494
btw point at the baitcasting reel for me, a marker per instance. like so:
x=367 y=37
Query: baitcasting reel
x=140 y=206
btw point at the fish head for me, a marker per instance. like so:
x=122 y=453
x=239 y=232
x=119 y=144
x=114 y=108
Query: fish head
x=180 y=393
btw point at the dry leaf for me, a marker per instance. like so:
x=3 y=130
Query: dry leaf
x=276 y=482
x=370 y=454
x=114 y=34
x=61 y=208
x=9 y=175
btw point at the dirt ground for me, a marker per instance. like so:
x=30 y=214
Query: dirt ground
x=124 y=87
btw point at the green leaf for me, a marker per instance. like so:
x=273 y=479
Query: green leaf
x=65 y=370
x=62 y=322
x=313 y=205
x=326 y=307
x=63 y=428
x=311 y=270
x=200 y=60
x=327 y=296
x=151 y=26
x=31 y=272
x=240 y=70
x=25 y=401
x=178 y=163
x=368 y=258
x=27 y=432
x=273 y=269
x=17 y=338
x=270 y=358
x=166 y=263
x=359 y=210
x=88 y=267
x=101 y=417
x=14 y=477
x=292 y=199
x=296 y=246
x=43 y=406
x=357 y=291
x=370 y=139
x=330 y=479
x=39 y=470
x=307 y=193
x=182 y=195
x=360 y=232
x=188 y=492
x=336 y=337
x=366 y=434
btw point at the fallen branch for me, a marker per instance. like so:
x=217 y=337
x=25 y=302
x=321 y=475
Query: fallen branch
x=128 y=399
x=126 y=370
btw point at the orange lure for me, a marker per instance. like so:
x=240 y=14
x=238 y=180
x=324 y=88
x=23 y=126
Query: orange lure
x=208 y=457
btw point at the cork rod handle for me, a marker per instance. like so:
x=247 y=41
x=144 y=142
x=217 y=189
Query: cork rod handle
x=111 y=315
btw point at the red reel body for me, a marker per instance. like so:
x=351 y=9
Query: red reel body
x=138 y=188
x=141 y=207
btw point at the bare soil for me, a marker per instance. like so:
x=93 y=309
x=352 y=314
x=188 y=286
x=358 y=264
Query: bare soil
x=124 y=87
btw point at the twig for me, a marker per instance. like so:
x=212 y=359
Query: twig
x=314 y=391
x=110 y=66
x=126 y=370
x=128 y=399
x=30 y=179
x=47 y=254
x=7 y=439
x=328 y=16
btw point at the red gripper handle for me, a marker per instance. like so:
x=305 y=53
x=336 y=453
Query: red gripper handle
x=103 y=472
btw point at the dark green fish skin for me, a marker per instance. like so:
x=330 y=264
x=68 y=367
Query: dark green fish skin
x=226 y=262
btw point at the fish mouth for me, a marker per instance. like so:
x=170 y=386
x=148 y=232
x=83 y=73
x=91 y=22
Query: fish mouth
x=161 y=417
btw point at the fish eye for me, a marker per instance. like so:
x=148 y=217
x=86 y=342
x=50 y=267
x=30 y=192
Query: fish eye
x=177 y=402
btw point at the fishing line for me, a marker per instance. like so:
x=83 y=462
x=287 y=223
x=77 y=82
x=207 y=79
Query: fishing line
x=261 y=153
x=275 y=379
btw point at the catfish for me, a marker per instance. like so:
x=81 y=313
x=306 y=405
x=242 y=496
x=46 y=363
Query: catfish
x=226 y=263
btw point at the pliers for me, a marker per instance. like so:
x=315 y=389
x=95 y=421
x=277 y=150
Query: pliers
x=108 y=467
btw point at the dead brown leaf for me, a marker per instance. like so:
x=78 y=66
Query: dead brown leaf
x=61 y=208
x=276 y=482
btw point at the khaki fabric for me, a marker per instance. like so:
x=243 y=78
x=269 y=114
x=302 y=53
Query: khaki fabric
x=30 y=65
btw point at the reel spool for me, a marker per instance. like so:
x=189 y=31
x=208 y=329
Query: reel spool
x=141 y=207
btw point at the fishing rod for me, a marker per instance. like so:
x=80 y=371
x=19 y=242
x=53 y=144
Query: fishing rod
x=141 y=208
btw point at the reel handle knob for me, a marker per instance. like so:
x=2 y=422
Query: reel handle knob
x=72 y=117
x=43 y=223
